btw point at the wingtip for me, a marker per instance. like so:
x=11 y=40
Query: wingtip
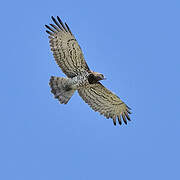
x=124 y=119
x=58 y=18
x=127 y=116
x=53 y=18
x=119 y=120
x=128 y=107
x=50 y=33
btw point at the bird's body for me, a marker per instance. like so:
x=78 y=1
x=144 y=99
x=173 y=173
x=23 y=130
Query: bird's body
x=70 y=59
x=79 y=81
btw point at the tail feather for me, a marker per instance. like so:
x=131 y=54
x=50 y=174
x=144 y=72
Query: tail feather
x=61 y=89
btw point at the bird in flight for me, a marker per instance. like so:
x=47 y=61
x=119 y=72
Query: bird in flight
x=69 y=57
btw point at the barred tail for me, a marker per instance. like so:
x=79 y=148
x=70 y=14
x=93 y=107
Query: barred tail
x=61 y=89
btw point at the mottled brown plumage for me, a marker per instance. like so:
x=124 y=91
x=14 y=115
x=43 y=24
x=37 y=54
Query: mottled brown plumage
x=70 y=59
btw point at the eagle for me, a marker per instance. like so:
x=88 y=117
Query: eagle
x=70 y=59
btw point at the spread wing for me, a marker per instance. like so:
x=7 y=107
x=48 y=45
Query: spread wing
x=105 y=102
x=66 y=49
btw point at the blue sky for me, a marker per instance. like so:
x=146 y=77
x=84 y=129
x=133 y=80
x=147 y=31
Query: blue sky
x=135 y=44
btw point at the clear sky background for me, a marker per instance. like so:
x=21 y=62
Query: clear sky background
x=136 y=45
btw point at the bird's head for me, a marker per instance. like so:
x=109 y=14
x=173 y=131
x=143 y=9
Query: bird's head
x=100 y=76
x=95 y=77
